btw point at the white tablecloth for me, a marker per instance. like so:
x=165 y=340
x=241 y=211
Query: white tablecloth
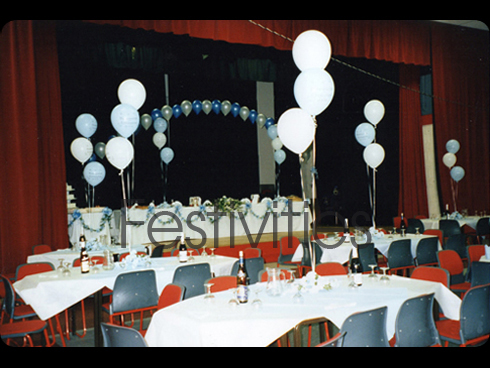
x=197 y=222
x=97 y=228
x=341 y=253
x=471 y=221
x=196 y=322
x=49 y=293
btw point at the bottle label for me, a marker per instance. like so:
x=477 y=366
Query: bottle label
x=183 y=256
x=84 y=266
x=242 y=293
x=358 y=279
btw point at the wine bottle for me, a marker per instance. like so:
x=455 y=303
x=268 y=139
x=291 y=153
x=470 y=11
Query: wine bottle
x=182 y=250
x=356 y=266
x=242 y=281
x=84 y=261
x=403 y=228
x=447 y=211
x=346 y=231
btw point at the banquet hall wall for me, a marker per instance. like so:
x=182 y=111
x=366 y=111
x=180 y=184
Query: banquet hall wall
x=32 y=189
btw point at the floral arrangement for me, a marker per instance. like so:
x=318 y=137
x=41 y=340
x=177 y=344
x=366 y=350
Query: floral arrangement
x=227 y=205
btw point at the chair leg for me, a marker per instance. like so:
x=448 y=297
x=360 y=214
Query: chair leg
x=84 y=321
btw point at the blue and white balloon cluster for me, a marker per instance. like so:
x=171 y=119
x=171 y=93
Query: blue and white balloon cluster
x=449 y=159
x=365 y=133
x=313 y=90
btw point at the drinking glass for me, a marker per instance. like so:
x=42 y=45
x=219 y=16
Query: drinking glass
x=298 y=298
x=385 y=277
x=94 y=268
x=417 y=232
x=372 y=274
x=257 y=303
x=66 y=271
x=209 y=296
x=203 y=252
x=60 y=267
x=212 y=252
x=233 y=302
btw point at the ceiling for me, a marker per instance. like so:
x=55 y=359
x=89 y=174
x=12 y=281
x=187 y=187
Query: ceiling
x=466 y=23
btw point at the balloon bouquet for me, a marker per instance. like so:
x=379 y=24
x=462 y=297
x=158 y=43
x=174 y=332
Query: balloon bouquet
x=374 y=153
x=457 y=172
x=313 y=90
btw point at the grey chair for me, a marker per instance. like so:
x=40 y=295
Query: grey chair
x=426 y=252
x=366 y=329
x=121 y=337
x=400 y=256
x=192 y=277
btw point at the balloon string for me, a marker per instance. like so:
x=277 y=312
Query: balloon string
x=374 y=198
x=310 y=248
x=121 y=174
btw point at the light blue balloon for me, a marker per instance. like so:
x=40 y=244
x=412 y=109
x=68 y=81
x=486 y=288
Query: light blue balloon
x=279 y=156
x=125 y=119
x=94 y=173
x=457 y=173
x=452 y=146
x=160 y=125
x=86 y=125
x=167 y=155
x=272 y=132
x=365 y=134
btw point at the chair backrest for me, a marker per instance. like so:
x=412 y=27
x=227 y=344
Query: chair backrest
x=221 y=283
x=121 y=337
x=451 y=261
x=456 y=242
x=435 y=232
x=367 y=256
x=171 y=294
x=483 y=226
x=426 y=251
x=264 y=276
x=253 y=266
x=475 y=313
x=435 y=274
x=124 y=255
x=397 y=221
x=366 y=329
x=335 y=342
x=306 y=260
x=400 y=254
x=158 y=251
x=480 y=273
x=9 y=301
x=100 y=260
x=475 y=252
x=288 y=245
x=41 y=248
x=26 y=269
x=193 y=277
x=134 y=290
x=413 y=224
x=449 y=227
x=415 y=326
x=252 y=253
x=330 y=269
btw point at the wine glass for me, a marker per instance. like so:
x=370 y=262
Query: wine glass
x=417 y=232
x=212 y=252
x=203 y=252
x=209 y=296
x=352 y=283
x=66 y=271
x=190 y=257
x=60 y=267
x=385 y=277
x=94 y=268
x=257 y=303
x=372 y=275
x=298 y=298
x=233 y=302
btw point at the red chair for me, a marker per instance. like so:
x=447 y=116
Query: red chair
x=263 y=275
x=475 y=252
x=397 y=221
x=41 y=248
x=252 y=253
x=221 y=283
x=434 y=274
x=124 y=255
x=435 y=232
x=26 y=269
x=288 y=245
x=330 y=269
x=451 y=261
x=24 y=329
x=171 y=294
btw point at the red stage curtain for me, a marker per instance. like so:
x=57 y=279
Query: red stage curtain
x=32 y=161
x=461 y=80
x=412 y=193
x=399 y=41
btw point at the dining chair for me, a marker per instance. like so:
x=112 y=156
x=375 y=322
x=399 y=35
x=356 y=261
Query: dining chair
x=414 y=324
x=263 y=275
x=23 y=329
x=124 y=255
x=287 y=248
x=483 y=229
x=397 y=221
x=413 y=224
x=335 y=342
x=451 y=261
x=480 y=273
x=400 y=257
x=449 y=227
x=253 y=266
x=41 y=248
x=330 y=269
x=158 y=251
x=437 y=233
x=171 y=294
x=193 y=278
x=367 y=256
x=434 y=274
x=426 y=252
x=473 y=325
x=252 y=253
x=305 y=265
x=115 y=336
x=134 y=292
x=366 y=329
x=457 y=242
x=221 y=283
x=320 y=323
x=475 y=252
x=26 y=269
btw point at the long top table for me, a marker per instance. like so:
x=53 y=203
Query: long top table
x=196 y=322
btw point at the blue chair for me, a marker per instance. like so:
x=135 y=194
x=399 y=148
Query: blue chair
x=253 y=266
x=483 y=228
x=480 y=273
x=192 y=277
x=426 y=252
x=134 y=292
x=305 y=266
x=415 y=326
x=474 y=322
x=457 y=242
x=413 y=224
x=448 y=228
x=367 y=256
x=366 y=329
x=400 y=256
x=121 y=337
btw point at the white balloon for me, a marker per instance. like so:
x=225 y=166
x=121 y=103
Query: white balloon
x=276 y=144
x=314 y=90
x=132 y=92
x=311 y=49
x=86 y=125
x=365 y=134
x=374 y=111
x=296 y=129
x=279 y=156
x=125 y=119
x=94 y=173
x=159 y=140
x=82 y=149
x=119 y=152
x=374 y=154
x=449 y=159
